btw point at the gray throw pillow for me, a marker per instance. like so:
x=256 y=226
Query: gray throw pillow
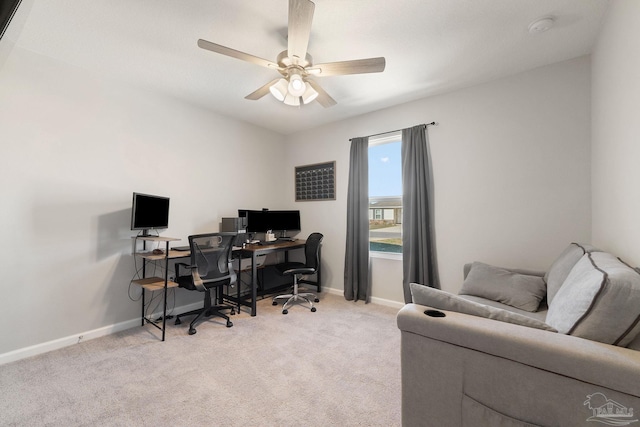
x=599 y=300
x=561 y=267
x=441 y=300
x=498 y=284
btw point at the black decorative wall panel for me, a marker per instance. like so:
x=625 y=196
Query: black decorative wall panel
x=316 y=182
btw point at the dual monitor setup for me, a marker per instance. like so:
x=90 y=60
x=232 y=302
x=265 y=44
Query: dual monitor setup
x=150 y=212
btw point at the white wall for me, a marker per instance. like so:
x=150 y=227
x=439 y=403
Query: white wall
x=616 y=146
x=511 y=165
x=74 y=148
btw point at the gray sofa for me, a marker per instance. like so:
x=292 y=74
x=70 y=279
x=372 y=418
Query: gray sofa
x=493 y=356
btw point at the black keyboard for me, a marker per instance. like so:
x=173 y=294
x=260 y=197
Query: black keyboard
x=181 y=248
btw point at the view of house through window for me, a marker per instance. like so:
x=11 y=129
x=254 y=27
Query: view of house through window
x=385 y=194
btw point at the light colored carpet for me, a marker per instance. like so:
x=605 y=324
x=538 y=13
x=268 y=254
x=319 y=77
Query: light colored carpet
x=339 y=366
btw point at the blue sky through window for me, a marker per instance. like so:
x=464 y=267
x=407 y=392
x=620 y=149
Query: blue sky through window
x=385 y=170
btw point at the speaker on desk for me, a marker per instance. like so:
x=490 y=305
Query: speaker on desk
x=235 y=225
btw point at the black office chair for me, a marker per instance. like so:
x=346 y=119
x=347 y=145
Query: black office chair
x=295 y=269
x=210 y=269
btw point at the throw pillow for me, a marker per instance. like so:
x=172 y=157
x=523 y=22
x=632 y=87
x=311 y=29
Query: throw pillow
x=498 y=284
x=600 y=301
x=562 y=266
x=441 y=300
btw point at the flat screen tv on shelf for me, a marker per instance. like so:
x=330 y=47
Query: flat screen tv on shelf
x=7 y=10
x=149 y=212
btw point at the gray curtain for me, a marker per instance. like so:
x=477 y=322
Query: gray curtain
x=419 y=262
x=357 y=278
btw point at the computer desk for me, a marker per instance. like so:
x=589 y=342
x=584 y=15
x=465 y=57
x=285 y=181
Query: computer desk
x=249 y=251
x=255 y=250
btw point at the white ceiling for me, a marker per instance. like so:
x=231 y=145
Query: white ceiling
x=430 y=46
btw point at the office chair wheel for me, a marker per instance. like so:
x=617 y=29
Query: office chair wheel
x=274 y=303
x=313 y=309
x=192 y=331
x=178 y=321
x=316 y=300
x=233 y=311
x=229 y=324
x=285 y=311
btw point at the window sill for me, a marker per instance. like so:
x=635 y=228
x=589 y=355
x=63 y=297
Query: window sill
x=385 y=255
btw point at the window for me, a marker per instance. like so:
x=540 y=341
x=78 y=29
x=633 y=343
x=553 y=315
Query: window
x=385 y=194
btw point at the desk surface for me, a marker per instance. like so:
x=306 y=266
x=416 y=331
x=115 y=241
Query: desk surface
x=257 y=248
x=284 y=244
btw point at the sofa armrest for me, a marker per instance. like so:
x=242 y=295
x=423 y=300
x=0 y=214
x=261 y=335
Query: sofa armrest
x=467 y=268
x=591 y=362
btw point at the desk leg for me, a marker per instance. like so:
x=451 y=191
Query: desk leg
x=142 y=315
x=254 y=282
x=319 y=272
x=166 y=281
x=144 y=268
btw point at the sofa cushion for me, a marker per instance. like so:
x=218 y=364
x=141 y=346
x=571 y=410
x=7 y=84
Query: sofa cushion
x=441 y=300
x=599 y=300
x=561 y=267
x=498 y=284
x=540 y=315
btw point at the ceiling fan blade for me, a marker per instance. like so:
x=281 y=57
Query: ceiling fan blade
x=223 y=50
x=262 y=91
x=323 y=97
x=300 y=18
x=358 y=66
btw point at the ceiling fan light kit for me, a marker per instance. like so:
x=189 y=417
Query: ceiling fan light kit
x=295 y=64
x=296 y=86
x=279 y=89
x=292 y=100
x=310 y=94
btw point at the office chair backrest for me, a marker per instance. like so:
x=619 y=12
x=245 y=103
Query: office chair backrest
x=211 y=254
x=312 y=250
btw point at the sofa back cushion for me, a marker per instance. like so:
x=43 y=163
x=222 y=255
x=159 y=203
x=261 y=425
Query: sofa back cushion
x=599 y=300
x=499 y=284
x=559 y=270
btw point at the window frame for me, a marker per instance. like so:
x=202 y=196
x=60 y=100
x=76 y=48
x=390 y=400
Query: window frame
x=374 y=141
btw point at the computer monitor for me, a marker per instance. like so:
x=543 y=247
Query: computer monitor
x=149 y=212
x=285 y=220
x=257 y=221
x=264 y=220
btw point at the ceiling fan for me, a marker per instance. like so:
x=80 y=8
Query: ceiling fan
x=296 y=65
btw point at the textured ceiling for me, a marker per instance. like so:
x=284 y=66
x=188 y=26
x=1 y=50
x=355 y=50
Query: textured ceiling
x=430 y=46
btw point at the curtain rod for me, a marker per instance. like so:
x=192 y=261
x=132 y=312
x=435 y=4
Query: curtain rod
x=398 y=130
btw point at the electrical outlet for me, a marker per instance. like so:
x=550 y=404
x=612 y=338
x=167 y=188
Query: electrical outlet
x=80 y=338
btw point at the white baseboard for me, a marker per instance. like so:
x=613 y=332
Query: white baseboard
x=45 y=347
x=374 y=300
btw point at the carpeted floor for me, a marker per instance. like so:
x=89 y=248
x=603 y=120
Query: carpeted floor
x=339 y=366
